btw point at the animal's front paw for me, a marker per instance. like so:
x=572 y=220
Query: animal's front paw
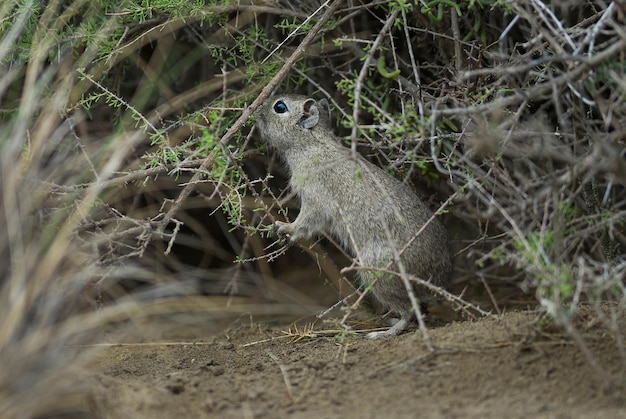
x=285 y=232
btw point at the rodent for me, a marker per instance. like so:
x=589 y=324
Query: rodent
x=369 y=212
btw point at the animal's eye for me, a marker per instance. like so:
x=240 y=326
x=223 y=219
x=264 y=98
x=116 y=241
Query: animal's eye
x=280 y=107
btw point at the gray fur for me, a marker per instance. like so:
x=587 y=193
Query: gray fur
x=367 y=210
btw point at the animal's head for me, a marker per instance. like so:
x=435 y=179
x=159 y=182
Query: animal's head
x=283 y=119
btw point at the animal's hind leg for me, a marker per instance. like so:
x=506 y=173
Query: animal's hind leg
x=395 y=330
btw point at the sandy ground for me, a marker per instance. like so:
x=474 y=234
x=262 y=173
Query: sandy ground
x=496 y=367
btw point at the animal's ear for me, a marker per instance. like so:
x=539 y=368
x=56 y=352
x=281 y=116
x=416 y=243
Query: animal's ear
x=310 y=115
x=324 y=108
